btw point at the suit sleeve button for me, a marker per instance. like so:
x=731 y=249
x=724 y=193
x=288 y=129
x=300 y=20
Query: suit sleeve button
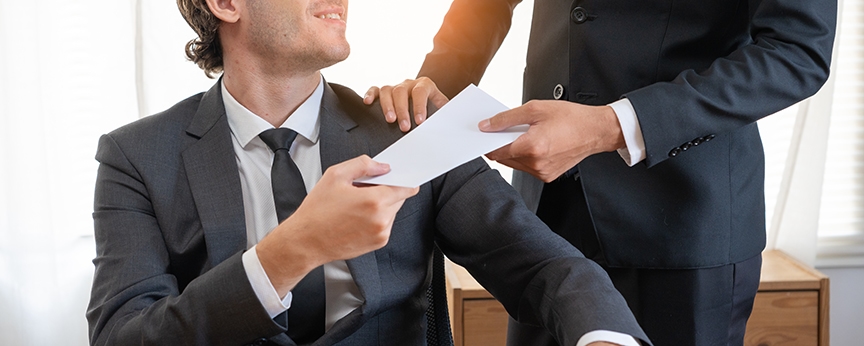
x=674 y=152
x=558 y=92
x=579 y=15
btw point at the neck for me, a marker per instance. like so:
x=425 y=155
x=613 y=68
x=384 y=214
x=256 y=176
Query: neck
x=271 y=96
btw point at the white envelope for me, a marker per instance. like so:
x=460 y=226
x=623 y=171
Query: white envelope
x=446 y=140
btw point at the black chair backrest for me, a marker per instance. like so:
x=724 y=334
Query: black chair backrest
x=437 y=316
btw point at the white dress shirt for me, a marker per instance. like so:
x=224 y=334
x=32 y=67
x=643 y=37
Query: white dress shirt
x=634 y=150
x=254 y=160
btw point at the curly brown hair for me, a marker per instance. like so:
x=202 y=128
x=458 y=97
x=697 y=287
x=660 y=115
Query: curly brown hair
x=206 y=50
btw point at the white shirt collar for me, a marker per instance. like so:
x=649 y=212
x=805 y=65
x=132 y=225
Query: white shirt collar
x=246 y=125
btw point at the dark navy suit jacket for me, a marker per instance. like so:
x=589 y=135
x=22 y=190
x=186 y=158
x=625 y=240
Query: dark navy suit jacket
x=699 y=74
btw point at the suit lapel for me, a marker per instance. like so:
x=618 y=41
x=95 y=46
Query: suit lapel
x=339 y=144
x=212 y=172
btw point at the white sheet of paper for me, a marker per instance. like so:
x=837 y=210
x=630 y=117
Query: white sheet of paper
x=446 y=140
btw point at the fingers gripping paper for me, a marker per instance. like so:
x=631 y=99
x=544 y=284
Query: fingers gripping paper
x=445 y=141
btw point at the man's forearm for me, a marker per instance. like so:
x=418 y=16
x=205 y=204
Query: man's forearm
x=471 y=33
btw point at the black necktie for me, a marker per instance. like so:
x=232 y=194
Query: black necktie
x=306 y=315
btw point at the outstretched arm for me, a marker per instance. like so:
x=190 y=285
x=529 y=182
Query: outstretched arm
x=538 y=276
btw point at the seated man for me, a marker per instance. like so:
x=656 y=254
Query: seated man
x=192 y=249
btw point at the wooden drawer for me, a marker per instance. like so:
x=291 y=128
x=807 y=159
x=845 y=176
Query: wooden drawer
x=791 y=307
x=784 y=318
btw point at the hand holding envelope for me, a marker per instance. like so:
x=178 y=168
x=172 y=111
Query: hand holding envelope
x=445 y=141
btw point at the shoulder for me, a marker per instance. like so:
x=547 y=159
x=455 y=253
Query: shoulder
x=160 y=137
x=170 y=122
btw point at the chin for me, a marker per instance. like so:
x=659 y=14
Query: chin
x=342 y=49
x=345 y=52
x=332 y=58
x=339 y=53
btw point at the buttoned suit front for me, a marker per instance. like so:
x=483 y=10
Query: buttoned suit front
x=170 y=232
x=699 y=74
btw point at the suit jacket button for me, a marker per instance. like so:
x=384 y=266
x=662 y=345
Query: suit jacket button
x=579 y=15
x=558 y=92
x=674 y=152
x=708 y=138
x=686 y=146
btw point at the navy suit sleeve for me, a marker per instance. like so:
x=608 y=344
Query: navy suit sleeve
x=787 y=61
x=136 y=299
x=539 y=278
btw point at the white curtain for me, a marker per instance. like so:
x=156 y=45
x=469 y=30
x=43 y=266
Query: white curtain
x=841 y=218
x=68 y=73
x=66 y=76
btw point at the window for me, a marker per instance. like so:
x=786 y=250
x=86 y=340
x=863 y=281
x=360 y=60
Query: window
x=841 y=218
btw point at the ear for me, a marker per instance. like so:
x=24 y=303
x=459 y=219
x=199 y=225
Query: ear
x=225 y=10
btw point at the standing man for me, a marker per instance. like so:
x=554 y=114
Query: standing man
x=643 y=149
x=205 y=234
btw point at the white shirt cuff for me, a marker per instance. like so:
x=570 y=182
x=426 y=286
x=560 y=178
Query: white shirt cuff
x=262 y=286
x=607 y=336
x=634 y=152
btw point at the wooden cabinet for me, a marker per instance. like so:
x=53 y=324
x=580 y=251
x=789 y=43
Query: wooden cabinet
x=791 y=307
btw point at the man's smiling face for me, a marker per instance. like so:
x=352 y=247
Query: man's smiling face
x=308 y=33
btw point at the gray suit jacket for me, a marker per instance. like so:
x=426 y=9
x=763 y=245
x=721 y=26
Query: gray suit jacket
x=170 y=232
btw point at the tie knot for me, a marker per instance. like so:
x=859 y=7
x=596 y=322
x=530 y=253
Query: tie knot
x=280 y=138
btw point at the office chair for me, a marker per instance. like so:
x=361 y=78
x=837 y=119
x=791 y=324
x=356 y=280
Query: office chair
x=437 y=316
